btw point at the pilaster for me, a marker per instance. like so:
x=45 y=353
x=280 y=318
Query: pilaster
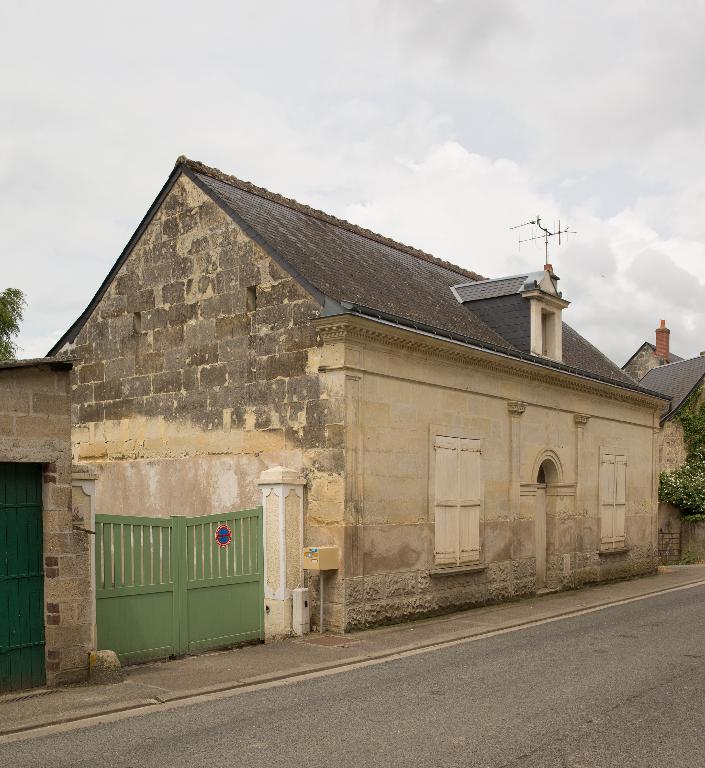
x=516 y=410
x=581 y=421
x=283 y=525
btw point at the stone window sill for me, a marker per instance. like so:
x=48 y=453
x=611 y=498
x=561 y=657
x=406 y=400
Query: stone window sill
x=477 y=568
x=608 y=552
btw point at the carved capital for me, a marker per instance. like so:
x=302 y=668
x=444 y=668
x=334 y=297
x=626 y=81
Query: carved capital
x=516 y=407
x=580 y=419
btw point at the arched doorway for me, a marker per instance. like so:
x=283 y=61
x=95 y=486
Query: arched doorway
x=547 y=475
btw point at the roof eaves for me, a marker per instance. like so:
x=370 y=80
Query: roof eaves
x=346 y=307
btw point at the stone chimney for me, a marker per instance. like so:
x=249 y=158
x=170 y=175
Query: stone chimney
x=662 y=341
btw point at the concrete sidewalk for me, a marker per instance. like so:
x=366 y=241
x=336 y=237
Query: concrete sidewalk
x=156 y=683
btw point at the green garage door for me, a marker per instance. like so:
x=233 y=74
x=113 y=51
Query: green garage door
x=166 y=587
x=21 y=577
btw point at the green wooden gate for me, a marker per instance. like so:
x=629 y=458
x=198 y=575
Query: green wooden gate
x=21 y=577
x=164 y=587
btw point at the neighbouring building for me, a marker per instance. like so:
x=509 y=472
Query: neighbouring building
x=452 y=435
x=649 y=355
x=46 y=621
x=677 y=379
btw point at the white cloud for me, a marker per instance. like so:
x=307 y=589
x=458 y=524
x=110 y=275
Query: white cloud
x=439 y=123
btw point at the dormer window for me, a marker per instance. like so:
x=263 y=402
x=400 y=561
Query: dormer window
x=526 y=310
x=547 y=305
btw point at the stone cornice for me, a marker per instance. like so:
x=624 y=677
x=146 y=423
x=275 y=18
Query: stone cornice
x=354 y=329
x=556 y=302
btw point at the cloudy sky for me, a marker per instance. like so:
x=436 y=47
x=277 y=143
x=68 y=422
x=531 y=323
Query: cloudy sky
x=440 y=123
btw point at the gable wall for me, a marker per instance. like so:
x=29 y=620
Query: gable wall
x=181 y=396
x=642 y=363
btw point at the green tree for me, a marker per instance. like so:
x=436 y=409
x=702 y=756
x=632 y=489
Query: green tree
x=12 y=303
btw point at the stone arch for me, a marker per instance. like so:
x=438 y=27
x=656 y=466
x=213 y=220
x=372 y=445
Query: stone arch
x=548 y=468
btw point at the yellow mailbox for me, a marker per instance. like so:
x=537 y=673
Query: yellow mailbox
x=321 y=558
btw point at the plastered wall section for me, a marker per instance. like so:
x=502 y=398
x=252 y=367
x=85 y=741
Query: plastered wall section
x=35 y=427
x=402 y=398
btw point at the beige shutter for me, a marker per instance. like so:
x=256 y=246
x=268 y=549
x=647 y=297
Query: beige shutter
x=469 y=500
x=607 y=495
x=457 y=500
x=446 y=505
x=620 y=499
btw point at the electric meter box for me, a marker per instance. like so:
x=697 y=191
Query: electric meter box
x=321 y=558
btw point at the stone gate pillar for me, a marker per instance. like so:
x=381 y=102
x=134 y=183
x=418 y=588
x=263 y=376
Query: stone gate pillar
x=283 y=525
x=83 y=479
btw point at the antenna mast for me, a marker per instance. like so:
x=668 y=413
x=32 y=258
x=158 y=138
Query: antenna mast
x=545 y=233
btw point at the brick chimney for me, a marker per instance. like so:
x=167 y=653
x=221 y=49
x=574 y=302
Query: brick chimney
x=662 y=341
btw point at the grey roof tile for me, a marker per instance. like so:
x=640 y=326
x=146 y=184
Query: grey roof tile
x=676 y=380
x=490 y=289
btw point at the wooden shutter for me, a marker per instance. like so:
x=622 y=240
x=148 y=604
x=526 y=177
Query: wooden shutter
x=446 y=508
x=613 y=500
x=620 y=500
x=607 y=488
x=469 y=500
x=457 y=500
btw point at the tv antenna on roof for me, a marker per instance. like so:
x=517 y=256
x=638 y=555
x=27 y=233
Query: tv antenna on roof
x=545 y=233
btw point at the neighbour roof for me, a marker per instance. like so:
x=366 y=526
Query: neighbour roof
x=339 y=261
x=57 y=365
x=676 y=380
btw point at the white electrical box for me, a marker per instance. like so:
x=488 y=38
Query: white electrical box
x=301 y=611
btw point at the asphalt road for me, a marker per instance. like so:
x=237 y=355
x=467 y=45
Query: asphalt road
x=619 y=687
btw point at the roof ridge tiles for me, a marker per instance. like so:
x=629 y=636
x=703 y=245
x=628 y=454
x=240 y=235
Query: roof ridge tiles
x=247 y=186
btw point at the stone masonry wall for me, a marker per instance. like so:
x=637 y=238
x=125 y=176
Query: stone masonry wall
x=673 y=452
x=198 y=369
x=642 y=363
x=35 y=427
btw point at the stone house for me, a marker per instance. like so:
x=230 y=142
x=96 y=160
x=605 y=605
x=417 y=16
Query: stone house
x=451 y=435
x=45 y=607
x=649 y=355
x=677 y=379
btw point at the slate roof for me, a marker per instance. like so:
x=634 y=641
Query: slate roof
x=675 y=380
x=490 y=289
x=350 y=265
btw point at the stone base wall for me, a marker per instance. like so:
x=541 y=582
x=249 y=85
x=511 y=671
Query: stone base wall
x=393 y=597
